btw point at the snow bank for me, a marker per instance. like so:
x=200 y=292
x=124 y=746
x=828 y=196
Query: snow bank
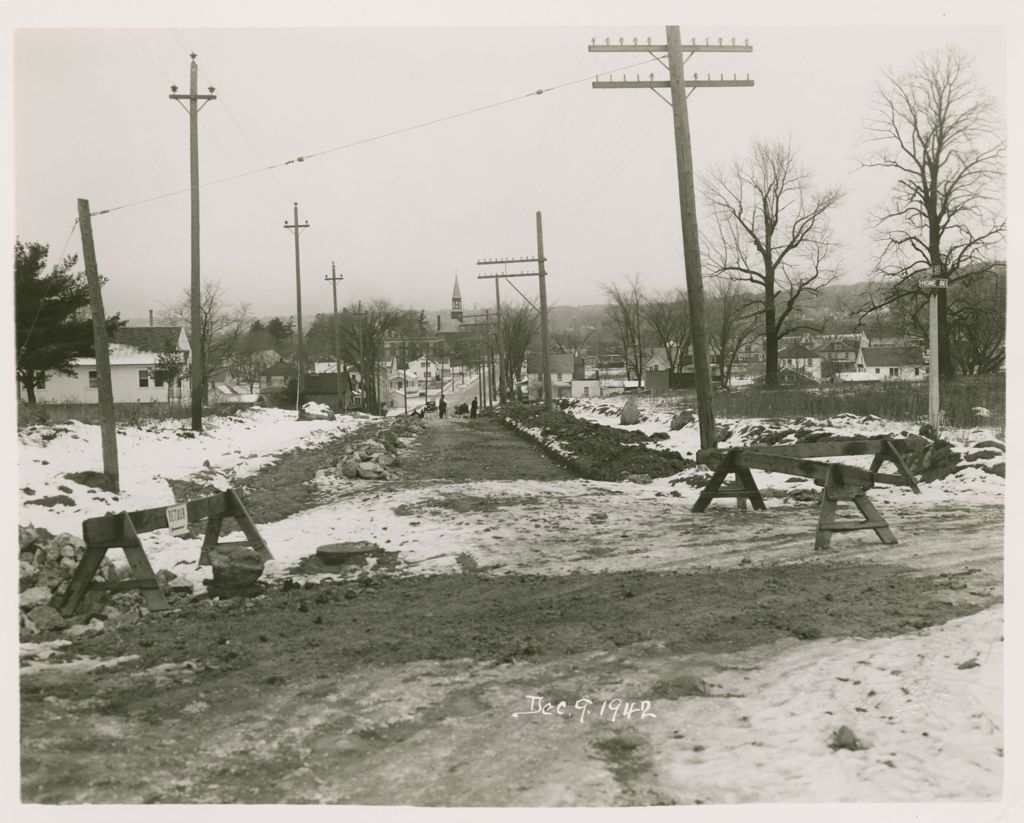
x=228 y=448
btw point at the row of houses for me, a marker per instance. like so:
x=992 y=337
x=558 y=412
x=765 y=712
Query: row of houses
x=139 y=356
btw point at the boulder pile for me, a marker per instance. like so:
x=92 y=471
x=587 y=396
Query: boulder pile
x=377 y=458
x=46 y=563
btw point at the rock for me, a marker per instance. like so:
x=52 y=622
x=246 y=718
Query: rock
x=36 y=596
x=79 y=629
x=316 y=411
x=387 y=459
x=389 y=438
x=235 y=569
x=990 y=444
x=371 y=471
x=637 y=478
x=26 y=576
x=349 y=468
x=722 y=433
x=68 y=563
x=26 y=537
x=67 y=551
x=844 y=738
x=683 y=418
x=373 y=447
x=46 y=618
x=630 y=414
x=659 y=436
x=164 y=578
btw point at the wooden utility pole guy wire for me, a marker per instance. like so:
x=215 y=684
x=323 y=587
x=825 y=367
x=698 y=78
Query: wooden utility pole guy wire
x=677 y=85
x=108 y=432
x=300 y=382
x=198 y=356
x=334 y=278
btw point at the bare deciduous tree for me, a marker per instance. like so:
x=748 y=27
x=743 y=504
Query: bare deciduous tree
x=668 y=317
x=936 y=130
x=771 y=229
x=519 y=327
x=733 y=321
x=222 y=327
x=626 y=310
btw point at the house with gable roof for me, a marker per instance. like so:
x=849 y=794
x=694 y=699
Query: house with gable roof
x=138 y=369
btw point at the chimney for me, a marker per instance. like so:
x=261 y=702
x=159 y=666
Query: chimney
x=150 y=317
x=439 y=322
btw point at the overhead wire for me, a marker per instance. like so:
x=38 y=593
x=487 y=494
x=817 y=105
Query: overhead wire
x=310 y=155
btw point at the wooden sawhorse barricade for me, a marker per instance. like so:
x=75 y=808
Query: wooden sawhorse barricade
x=840 y=482
x=121 y=531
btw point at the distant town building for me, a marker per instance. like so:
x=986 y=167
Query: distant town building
x=892 y=362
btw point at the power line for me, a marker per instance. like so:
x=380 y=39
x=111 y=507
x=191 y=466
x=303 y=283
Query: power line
x=303 y=157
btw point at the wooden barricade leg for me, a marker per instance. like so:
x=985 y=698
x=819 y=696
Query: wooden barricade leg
x=872 y=516
x=245 y=521
x=742 y=490
x=210 y=538
x=897 y=458
x=747 y=479
x=139 y=564
x=80 y=580
x=834 y=491
x=710 y=490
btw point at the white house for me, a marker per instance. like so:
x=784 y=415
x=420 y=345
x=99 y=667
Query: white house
x=585 y=388
x=892 y=362
x=134 y=370
x=801 y=360
x=564 y=369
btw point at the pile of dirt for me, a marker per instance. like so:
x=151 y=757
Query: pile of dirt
x=594 y=451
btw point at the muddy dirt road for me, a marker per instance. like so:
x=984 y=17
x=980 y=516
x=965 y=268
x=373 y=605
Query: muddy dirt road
x=401 y=686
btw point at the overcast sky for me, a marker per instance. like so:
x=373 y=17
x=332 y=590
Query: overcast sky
x=402 y=214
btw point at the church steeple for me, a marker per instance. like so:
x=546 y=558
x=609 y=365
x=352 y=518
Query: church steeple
x=456 y=301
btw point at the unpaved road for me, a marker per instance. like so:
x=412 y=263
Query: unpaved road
x=400 y=689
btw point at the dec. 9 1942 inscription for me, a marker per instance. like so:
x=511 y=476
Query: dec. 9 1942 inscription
x=584 y=708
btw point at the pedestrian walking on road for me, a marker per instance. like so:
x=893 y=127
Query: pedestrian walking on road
x=472 y=408
x=442 y=408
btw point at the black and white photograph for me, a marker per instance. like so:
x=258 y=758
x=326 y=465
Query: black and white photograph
x=513 y=409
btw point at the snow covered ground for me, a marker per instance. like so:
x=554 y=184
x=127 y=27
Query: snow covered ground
x=233 y=446
x=931 y=730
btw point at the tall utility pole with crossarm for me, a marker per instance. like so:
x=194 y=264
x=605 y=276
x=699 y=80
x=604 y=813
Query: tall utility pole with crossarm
x=300 y=355
x=677 y=86
x=193 y=97
x=334 y=278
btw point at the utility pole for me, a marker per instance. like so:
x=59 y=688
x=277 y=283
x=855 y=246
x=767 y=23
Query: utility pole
x=497 y=338
x=541 y=275
x=405 y=378
x=334 y=278
x=198 y=356
x=300 y=355
x=108 y=431
x=362 y=360
x=678 y=85
x=936 y=286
